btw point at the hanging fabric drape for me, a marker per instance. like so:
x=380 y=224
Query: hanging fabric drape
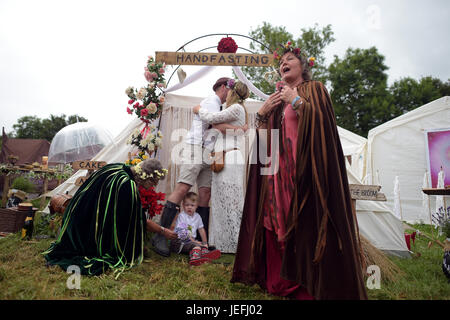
x=206 y=69
x=241 y=76
x=196 y=76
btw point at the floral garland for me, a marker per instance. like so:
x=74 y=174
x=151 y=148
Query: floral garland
x=147 y=104
x=144 y=175
x=279 y=52
x=227 y=45
x=145 y=140
x=141 y=156
x=30 y=174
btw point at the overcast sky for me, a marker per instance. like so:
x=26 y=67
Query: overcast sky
x=78 y=57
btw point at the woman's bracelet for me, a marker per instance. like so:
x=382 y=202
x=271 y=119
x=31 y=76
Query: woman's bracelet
x=294 y=103
x=162 y=230
x=295 y=100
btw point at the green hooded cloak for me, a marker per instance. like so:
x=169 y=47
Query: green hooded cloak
x=103 y=226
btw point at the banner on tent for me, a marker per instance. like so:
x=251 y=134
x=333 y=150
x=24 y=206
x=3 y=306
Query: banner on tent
x=438 y=155
x=214 y=59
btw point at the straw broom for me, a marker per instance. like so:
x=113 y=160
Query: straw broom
x=374 y=256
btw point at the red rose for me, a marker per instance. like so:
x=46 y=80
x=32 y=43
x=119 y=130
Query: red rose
x=144 y=112
x=130 y=101
x=296 y=51
x=227 y=45
x=149 y=200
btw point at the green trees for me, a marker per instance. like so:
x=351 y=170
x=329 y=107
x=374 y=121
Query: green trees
x=359 y=90
x=32 y=127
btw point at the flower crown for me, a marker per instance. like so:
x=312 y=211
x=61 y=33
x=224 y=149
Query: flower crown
x=144 y=175
x=288 y=47
x=231 y=83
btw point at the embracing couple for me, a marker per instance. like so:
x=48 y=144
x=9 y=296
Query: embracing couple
x=212 y=132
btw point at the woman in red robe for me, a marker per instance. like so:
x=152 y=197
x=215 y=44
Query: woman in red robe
x=299 y=237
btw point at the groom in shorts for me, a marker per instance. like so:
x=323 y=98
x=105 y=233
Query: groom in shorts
x=197 y=144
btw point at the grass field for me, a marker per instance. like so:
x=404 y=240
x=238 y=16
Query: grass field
x=24 y=276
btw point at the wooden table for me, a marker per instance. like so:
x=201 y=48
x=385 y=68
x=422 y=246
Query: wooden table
x=436 y=191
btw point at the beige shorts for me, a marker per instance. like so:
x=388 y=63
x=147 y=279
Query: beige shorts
x=194 y=167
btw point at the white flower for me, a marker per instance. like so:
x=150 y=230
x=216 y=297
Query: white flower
x=158 y=142
x=130 y=92
x=147 y=140
x=136 y=133
x=151 y=85
x=151 y=147
x=160 y=134
x=152 y=108
x=130 y=140
x=142 y=93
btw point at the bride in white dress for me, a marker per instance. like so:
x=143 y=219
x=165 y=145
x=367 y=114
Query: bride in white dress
x=227 y=186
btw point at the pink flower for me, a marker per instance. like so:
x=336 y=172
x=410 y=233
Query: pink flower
x=161 y=70
x=144 y=112
x=136 y=105
x=130 y=101
x=296 y=51
x=148 y=76
x=280 y=85
x=154 y=75
x=129 y=110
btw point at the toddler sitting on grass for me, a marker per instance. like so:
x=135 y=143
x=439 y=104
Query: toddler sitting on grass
x=186 y=225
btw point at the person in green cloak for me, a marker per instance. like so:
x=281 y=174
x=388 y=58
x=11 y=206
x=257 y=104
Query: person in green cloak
x=104 y=225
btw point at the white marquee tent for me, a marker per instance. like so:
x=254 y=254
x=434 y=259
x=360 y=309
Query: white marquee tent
x=376 y=221
x=398 y=148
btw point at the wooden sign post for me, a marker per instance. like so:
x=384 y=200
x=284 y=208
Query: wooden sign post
x=90 y=166
x=365 y=192
x=214 y=59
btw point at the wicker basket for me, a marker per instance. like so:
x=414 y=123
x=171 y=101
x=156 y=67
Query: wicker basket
x=12 y=220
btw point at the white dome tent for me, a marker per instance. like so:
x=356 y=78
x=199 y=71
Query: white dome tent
x=78 y=141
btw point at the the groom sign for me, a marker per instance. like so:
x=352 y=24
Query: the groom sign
x=214 y=59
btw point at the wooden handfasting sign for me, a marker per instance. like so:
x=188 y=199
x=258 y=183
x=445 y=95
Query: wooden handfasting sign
x=366 y=192
x=91 y=166
x=214 y=59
